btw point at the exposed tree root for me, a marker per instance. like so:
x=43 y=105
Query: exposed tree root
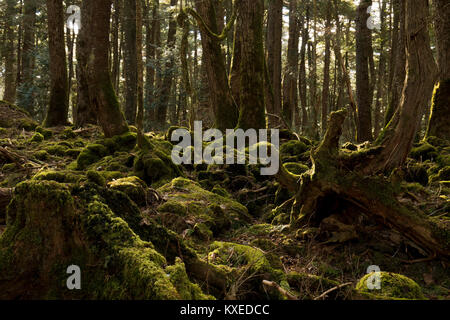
x=334 y=174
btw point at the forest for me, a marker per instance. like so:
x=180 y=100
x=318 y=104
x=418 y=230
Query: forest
x=224 y=150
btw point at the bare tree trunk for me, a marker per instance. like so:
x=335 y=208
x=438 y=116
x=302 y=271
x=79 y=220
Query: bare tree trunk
x=10 y=73
x=250 y=33
x=290 y=97
x=102 y=98
x=59 y=97
x=439 y=126
x=130 y=59
x=25 y=95
x=326 y=70
x=167 y=81
x=363 y=81
x=273 y=58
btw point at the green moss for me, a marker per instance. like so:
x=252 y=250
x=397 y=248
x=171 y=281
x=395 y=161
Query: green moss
x=217 y=212
x=27 y=124
x=58 y=176
x=96 y=178
x=68 y=134
x=293 y=148
x=393 y=286
x=202 y=231
x=175 y=207
x=57 y=149
x=41 y=155
x=72 y=153
x=296 y=168
x=220 y=191
x=155 y=166
x=133 y=187
x=91 y=154
x=122 y=143
x=423 y=152
x=37 y=137
x=47 y=134
x=186 y=289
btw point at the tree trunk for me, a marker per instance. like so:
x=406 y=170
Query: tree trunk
x=221 y=99
x=130 y=59
x=363 y=81
x=439 y=126
x=59 y=96
x=25 y=97
x=326 y=70
x=115 y=68
x=102 y=98
x=10 y=73
x=273 y=58
x=290 y=97
x=251 y=95
x=167 y=81
x=302 y=73
x=398 y=80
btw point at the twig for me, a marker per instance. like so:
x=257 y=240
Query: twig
x=284 y=292
x=323 y=295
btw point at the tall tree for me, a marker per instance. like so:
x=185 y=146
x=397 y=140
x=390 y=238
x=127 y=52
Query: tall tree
x=221 y=99
x=167 y=81
x=249 y=29
x=326 y=69
x=439 y=124
x=273 y=59
x=58 y=108
x=290 y=97
x=25 y=95
x=363 y=81
x=10 y=73
x=398 y=61
x=130 y=59
x=102 y=98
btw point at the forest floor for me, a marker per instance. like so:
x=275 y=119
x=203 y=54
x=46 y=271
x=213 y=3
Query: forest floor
x=233 y=218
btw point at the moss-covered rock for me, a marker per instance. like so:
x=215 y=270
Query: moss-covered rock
x=424 y=151
x=37 y=137
x=417 y=172
x=64 y=176
x=293 y=148
x=155 y=166
x=95 y=177
x=393 y=286
x=186 y=198
x=46 y=133
x=133 y=187
x=41 y=155
x=91 y=154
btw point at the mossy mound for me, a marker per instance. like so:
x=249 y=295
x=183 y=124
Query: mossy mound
x=37 y=137
x=58 y=176
x=417 y=172
x=424 y=151
x=393 y=286
x=155 y=166
x=188 y=200
x=133 y=187
x=12 y=116
x=38 y=246
x=293 y=148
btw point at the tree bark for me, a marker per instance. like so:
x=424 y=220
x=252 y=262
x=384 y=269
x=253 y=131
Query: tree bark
x=10 y=73
x=102 y=98
x=59 y=96
x=221 y=99
x=290 y=97
x=250 y=33
x=326 y=70
x=273 y=59
x=438 y=125
x=363 y=81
